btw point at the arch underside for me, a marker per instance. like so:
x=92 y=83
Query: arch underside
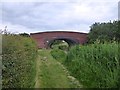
x=70 y=41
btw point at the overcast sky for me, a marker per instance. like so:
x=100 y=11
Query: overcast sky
x=50 y=15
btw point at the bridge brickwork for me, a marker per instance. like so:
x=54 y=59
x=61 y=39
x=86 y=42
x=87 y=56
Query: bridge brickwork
x=44 y=38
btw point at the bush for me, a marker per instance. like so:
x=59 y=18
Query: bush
x=58 y=54
x=19 y=54
x=104 y=32
x=95 y=65
x=64 y=47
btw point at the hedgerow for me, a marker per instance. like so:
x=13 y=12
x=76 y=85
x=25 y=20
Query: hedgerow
x=19 y=54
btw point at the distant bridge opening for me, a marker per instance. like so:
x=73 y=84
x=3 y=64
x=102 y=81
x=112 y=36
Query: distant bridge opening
x=58 y=44
x=61 y=42
x=47 y=39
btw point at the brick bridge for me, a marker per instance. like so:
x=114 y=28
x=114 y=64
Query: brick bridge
x=45 y=39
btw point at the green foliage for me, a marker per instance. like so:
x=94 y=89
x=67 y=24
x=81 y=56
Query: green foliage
x=60 y=44
x=24 y=34
x=57 y=42
x=51 y=73
x=96 y=65
x=64 y=47
x=59 y=55
x=18 y=60
x=104 y=31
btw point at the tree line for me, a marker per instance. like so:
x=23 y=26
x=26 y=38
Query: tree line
x=104 y=32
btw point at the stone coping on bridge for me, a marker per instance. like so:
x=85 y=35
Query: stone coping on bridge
x=58 y=32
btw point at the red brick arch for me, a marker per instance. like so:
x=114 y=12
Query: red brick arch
x=45 y=39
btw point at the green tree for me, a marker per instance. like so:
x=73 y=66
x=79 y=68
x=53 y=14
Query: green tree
x=24 y=34
x=104 y=31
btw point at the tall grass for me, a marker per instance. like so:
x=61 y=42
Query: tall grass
x=18 y=60
x=59 y=55
x=96 y=65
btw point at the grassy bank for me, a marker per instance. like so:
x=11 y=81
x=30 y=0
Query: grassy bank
x=19 y=54
x=95 y=66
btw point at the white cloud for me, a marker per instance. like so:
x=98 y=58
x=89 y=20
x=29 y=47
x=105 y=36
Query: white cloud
x=75 y=15
x=15 y=28
x=59 y=1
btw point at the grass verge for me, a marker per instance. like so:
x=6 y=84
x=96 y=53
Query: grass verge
x=52 y=74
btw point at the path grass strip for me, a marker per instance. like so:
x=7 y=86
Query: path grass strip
x=51 y=73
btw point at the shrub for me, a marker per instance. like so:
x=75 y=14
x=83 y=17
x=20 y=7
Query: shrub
x=95 y=65
x=19 y=54
x=64 y=47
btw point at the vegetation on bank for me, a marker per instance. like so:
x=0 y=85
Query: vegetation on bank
x=59 y=55
x=95 y=66
x=19 y=54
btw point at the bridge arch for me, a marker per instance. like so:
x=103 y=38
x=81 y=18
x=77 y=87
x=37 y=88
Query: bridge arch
x=70 y=41
x=45 y=39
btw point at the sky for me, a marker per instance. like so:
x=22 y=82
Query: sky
x=31 y=16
